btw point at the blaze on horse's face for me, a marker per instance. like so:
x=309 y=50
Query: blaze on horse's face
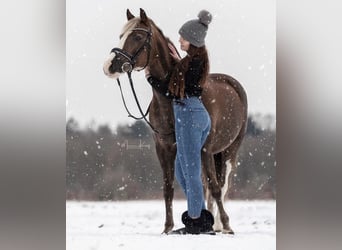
x=132 y=39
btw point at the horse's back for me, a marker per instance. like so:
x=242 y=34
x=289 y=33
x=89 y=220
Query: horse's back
x=226 y=102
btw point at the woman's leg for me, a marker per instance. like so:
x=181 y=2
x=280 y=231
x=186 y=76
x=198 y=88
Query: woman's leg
x=191 y=136
x=192 y=128
x=190 y=149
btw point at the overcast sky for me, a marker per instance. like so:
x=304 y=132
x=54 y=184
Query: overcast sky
x=241 y=41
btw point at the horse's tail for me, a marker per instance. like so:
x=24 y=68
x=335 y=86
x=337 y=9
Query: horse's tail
x=243 y=96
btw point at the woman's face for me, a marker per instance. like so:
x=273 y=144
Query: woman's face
x=184 y=44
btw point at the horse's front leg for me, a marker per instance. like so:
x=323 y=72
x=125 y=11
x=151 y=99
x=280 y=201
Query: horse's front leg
x=166 y=155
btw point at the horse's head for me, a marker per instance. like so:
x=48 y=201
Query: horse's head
x=134 y=48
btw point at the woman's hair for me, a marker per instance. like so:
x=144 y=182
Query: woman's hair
x=177 y=83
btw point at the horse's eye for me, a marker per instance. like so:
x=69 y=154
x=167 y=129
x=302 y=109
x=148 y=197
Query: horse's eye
x=137 y=37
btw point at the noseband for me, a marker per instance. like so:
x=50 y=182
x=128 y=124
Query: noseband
x=132 y=59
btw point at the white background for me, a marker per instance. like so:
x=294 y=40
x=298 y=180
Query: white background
x=241 y=42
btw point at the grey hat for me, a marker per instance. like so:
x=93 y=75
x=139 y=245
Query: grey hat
x=195 y=30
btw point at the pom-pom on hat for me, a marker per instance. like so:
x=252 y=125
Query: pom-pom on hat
x=195 y=30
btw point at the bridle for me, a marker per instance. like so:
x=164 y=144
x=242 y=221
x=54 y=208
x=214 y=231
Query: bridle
x=127 y=67
x=132 y=59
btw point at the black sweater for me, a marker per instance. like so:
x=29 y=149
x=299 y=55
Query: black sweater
x=192 y=78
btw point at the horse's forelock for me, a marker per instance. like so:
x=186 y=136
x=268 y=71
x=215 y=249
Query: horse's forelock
x=127 y=30
x=130 y=25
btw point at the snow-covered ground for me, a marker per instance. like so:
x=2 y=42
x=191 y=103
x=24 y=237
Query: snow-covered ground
x=138 y=225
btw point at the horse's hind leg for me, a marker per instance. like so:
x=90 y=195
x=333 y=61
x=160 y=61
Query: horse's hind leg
x=222 y=168
x=223 y=165
x=211 y=204
x=229 y=165
x=215 y=188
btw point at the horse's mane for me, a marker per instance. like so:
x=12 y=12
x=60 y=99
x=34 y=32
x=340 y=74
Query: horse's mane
x=162 y=36
x=163 y=49
x=156 y=27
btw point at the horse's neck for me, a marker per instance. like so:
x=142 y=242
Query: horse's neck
x=160 y=59
x=161 y=66
x=160 y=69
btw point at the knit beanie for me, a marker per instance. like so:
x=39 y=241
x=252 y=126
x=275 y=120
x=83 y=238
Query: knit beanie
x=195 y=30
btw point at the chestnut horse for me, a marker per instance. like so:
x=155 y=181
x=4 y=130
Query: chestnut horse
x=143 y=44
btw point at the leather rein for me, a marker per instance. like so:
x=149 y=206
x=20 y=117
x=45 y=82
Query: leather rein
x=127 y=67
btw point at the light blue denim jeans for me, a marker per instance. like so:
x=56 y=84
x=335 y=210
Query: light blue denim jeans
x=192 y=126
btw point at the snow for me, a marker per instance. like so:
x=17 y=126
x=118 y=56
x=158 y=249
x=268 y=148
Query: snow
x=133 y=225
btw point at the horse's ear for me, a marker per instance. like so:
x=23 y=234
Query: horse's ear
x=143 y=16
x=129 y=15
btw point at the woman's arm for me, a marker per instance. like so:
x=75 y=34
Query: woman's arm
x=161 y=87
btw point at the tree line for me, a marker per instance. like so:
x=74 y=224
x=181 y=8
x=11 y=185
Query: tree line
x=102 y=164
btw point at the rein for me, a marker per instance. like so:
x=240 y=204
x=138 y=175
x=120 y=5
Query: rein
x=143 y=116
x=128 y=67
x=124 y=102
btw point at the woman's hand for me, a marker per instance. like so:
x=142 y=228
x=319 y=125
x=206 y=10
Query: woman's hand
x=174 y=53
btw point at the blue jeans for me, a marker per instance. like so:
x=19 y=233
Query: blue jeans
x=192 y=126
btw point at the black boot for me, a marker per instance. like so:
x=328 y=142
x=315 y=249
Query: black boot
x=201 y=225
x=207 y=223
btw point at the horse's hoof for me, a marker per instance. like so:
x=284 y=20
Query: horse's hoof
x=228 y=231
x=167 y=230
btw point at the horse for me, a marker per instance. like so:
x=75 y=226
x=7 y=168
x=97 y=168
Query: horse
x=143 y=44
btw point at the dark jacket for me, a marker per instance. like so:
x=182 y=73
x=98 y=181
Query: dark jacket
x=192 y=78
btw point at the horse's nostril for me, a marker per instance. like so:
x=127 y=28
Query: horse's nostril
x=111 y=69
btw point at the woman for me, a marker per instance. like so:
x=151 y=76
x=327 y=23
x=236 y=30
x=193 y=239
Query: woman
x=192 y=121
